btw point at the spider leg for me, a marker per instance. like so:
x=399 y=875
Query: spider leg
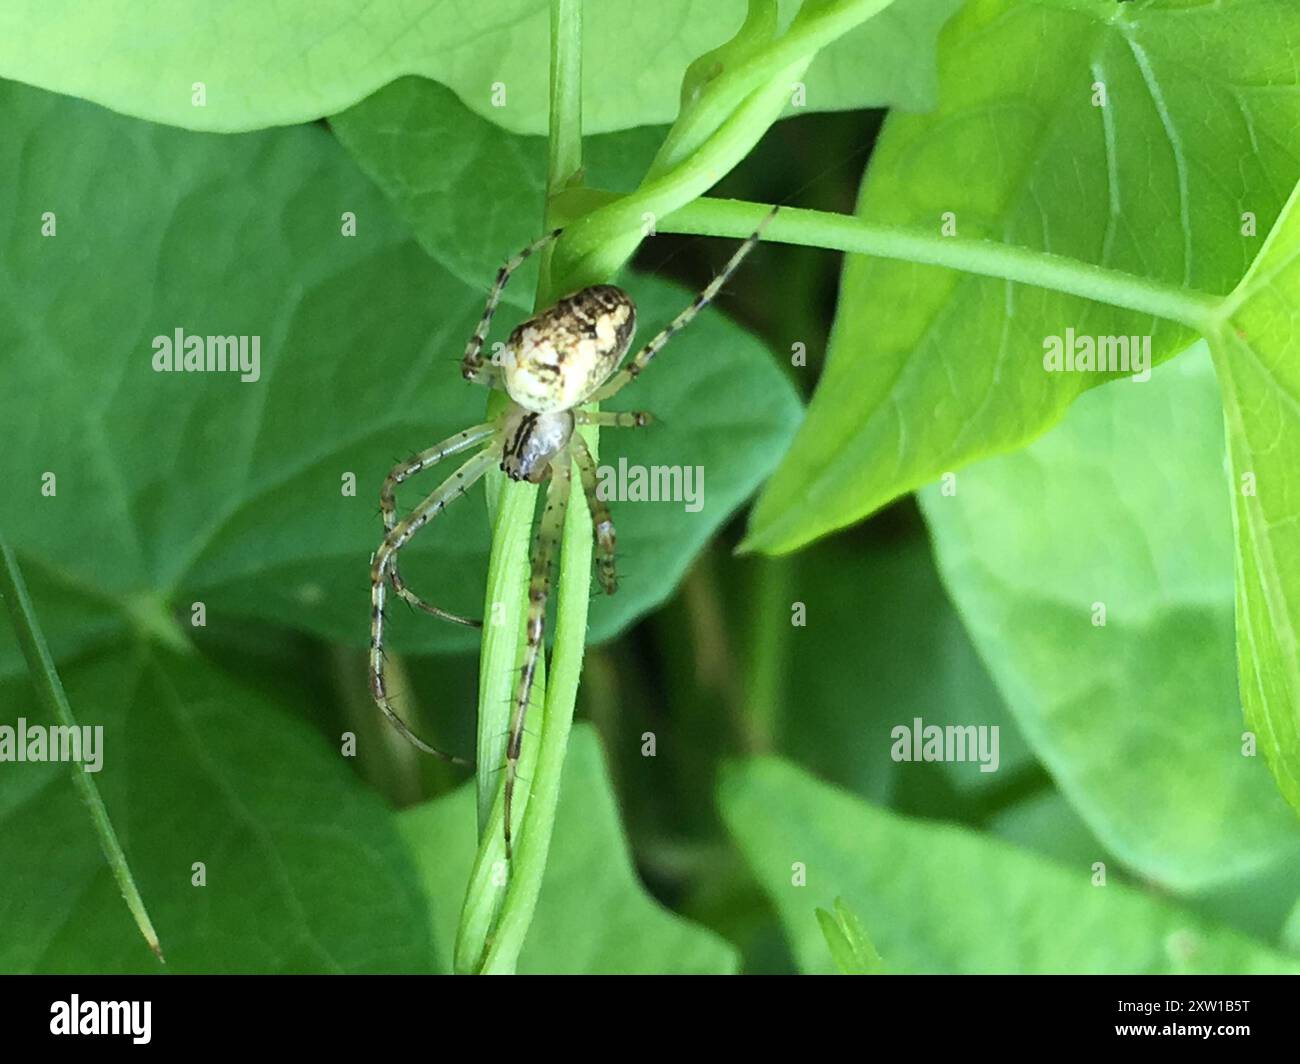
x=634 y=368
x=539 y=586
x=452 y=488
x=602 y=524
x=611 y=419
x=388 y=504
x=473 y=366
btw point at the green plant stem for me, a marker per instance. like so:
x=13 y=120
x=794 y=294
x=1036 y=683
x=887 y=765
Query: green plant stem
x=557 y=721
x=708 y=216
x=502 y=896
x=564 y=146
x=713 y=133
x=844 y=232
x=507 y=585
x=50 y=691
x=512 y=505
x=807 y=35
x=602 y=241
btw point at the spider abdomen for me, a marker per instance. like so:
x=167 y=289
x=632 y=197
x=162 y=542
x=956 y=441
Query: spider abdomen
x=556 y=358
x=531 y=440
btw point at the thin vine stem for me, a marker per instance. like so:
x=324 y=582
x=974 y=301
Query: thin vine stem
x=551 y=741
x=507 y=584
x=49 y=689
x=502 y=897
x=600 y=242
x=708 y=216
x=989 y=258
x=564 y=146
x=807 y=35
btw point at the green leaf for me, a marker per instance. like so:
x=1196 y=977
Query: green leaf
x=1257 y=353
x=270 y=65
x=200 y=487
x=305 y=870
x=939 y=898
x=1121 y=508
x=930 y=368
x=589 y=871
x=471 y=191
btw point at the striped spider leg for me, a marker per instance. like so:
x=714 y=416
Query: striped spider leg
x=473 y=366
x=383 y=566
x=462 y=441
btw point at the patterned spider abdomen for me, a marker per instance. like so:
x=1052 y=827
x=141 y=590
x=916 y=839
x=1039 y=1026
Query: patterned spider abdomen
x=554 y=360
x=531 y=440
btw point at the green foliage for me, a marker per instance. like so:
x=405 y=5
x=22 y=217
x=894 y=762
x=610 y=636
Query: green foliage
x=306 y=871
x=54 y=701
x=1174 y=175
x=940 y=898
x=471 y=191
x=932 y=368
x=297 y=60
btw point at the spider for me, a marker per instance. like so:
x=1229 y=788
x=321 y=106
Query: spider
x=552 y=365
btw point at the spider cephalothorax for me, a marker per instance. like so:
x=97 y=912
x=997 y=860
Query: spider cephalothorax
x=555 y=363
